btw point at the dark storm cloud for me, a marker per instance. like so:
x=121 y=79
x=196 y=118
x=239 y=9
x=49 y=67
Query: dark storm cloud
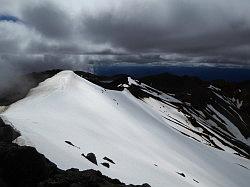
x=48 y=19
x=13 y=66
x=134 y=31
x=185 y=27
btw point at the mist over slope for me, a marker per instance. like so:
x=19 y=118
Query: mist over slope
x=177 y=137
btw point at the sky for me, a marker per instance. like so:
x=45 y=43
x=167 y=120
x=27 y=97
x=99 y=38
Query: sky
x=40 y=34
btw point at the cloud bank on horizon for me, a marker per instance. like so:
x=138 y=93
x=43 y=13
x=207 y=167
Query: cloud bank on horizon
x=208 y=32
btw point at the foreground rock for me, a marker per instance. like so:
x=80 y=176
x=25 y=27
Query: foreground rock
x=7 y=133
x=91 y=157
x=24 y=166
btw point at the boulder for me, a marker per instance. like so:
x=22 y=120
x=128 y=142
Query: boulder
x=1 y=122
x=7 y=133
x=91 y=157
x=109 y=160
x=24 y=166
x=105 y=164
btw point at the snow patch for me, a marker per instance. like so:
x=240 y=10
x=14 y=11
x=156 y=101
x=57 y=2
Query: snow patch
x=132 y=81
x=230 y=126
x=239 y=103
x=214 y=88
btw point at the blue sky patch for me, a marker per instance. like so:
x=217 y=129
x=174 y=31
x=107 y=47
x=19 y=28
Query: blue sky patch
x=8 y=18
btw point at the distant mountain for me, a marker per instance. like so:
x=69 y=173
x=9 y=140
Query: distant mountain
x=164 y=130
x=230 y=99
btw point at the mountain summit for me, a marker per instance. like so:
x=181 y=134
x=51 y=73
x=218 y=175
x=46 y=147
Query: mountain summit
x=131 y=131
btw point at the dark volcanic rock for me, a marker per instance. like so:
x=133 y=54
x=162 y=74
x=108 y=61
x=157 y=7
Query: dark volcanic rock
x=70 y=143
x=1 y=122
x=91 y=157
x=2 y=183
x=23 y=166
x=195 y=181
x=181 y=174
x=87 y=178
x=145 y=185
x=109 y=160
x=7 y=134
x=105 y=164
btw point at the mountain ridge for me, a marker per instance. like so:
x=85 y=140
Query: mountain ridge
x=122 y=111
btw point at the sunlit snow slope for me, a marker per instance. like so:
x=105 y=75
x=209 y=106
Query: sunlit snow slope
x=139 y=135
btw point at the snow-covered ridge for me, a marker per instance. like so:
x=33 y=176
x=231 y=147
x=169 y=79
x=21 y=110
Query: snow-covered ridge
x=60 y=82
x=144 y=137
